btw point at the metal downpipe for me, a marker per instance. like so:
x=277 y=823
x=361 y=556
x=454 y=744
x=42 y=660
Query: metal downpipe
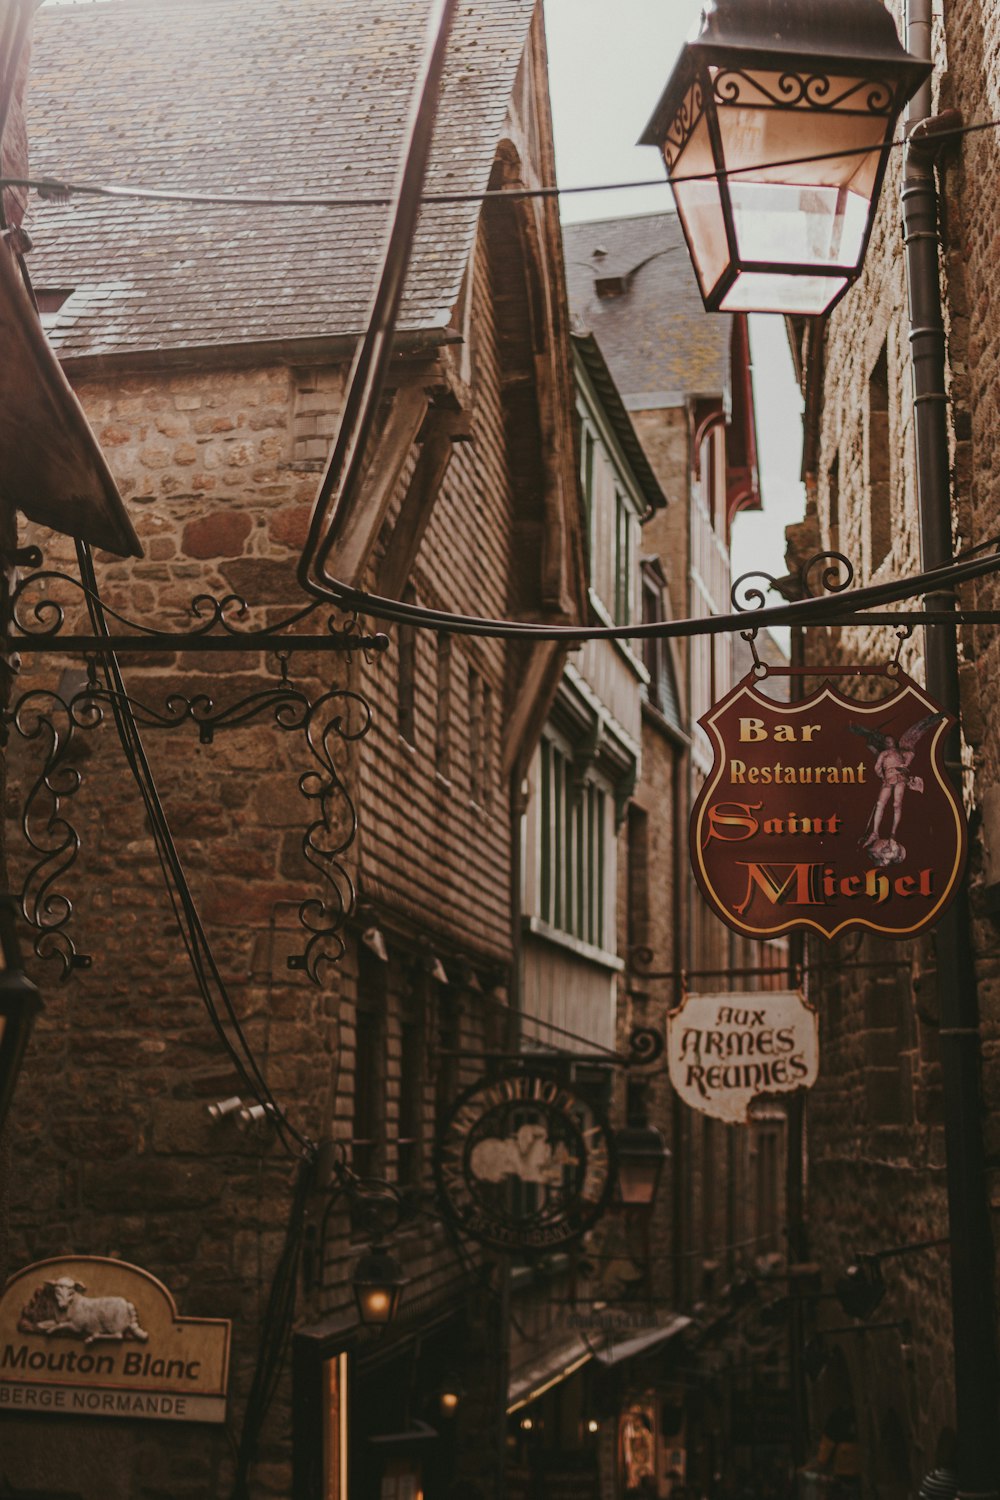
x=973 y=1261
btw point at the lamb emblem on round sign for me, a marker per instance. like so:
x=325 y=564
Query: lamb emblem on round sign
x=60 y=1307
x=527 y=1153
x=524 y=1162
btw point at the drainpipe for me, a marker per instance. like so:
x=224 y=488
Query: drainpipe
x=679 y=1163
x=973 y=1262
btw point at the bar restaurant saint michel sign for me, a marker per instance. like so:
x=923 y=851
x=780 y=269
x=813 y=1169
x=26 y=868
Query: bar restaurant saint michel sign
x=828 y=814
x=90 y=1336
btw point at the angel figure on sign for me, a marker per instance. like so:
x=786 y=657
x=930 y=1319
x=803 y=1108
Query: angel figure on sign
x=893 y=759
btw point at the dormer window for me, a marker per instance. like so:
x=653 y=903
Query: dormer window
x=49 y=301
x=610 y=286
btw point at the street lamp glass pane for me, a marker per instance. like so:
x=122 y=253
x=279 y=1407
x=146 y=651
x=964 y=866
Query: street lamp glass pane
x=638 y=1181
x=803 y=212
x=377 y=1305
x=788 y=119
x=803 y=226
x=3 y=1023
x=779 y=292
x=700 y=207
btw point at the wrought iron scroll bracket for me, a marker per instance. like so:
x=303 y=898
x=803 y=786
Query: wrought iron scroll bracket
x=39 y=623
x=46 y=719
x=902 y=635
x=823 y=573
x=329 y=725
x=645 y=1045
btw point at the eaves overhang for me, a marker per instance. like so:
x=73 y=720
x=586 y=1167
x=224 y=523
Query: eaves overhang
x=51 y=465
x=588 y=351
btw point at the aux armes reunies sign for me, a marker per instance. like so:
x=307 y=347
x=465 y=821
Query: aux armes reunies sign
x=828 y=814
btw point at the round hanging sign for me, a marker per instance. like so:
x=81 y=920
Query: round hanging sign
x=523 y=1162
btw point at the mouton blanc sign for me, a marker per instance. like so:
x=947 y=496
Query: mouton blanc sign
x=726 y=1050
x=90 y=1336
x=828 y=814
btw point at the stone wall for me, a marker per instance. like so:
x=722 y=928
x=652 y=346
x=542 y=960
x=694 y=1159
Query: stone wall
x=875 y=1135
x=114 y=1150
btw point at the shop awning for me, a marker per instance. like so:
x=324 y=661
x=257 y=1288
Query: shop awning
x=616 y=1351
x=557 y=1365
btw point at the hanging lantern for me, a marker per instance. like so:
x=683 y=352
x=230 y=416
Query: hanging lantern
x=451 y=1393
x=640 y=1153
x=378 y=1283
x=766 y=89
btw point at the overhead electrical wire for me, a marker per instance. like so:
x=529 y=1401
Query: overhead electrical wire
x=58 y=188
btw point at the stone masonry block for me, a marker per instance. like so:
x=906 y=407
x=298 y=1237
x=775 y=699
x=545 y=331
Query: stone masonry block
x=219 y=535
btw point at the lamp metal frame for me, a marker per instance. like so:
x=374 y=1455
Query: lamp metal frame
x=804 y=45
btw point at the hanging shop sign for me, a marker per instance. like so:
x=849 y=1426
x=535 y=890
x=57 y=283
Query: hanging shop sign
x=828 y=814
x=523 y=1162
x=90 y=1336
x=725 y=1051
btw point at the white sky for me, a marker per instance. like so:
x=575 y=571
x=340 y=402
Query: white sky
x=609 y=61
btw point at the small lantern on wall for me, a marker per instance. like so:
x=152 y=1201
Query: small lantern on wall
x=641 y=1152
x=450 y=1394
x=782 y=111
x=20 y=1003
x=378 y=1284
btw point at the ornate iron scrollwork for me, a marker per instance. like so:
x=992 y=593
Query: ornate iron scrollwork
x=44 y=718
x=338 y=718
x=329 y=725
x=831 y=571
x=224 y=623
x=41 y=620
x=328 y=837
x=802 y=91
x=645 y=1045
x=681 y=127
x=837 y=573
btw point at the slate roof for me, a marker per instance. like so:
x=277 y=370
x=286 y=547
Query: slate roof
x=658 y=341
x=262 y=96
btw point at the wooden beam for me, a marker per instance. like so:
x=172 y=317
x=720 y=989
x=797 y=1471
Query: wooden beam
x=528 y=708
x=443 y=429
x=390 y=449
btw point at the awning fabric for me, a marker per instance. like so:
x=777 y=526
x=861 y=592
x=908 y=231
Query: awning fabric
x=556 y=1365
x=560 y=1363
x=616 y=1351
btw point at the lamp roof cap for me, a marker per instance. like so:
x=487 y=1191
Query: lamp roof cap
x=849 y=36
x=862 y=29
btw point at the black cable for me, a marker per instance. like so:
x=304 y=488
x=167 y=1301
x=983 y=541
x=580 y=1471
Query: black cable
x=59 y=187
x=193 y=935
x=275 y=1332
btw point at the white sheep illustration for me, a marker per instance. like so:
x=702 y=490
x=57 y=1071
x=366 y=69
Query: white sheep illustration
x=526 y=1154
x=92 y=1318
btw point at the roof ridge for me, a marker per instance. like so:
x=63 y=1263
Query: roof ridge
x=655 y=213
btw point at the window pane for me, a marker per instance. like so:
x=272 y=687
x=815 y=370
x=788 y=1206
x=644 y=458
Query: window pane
x=545 y=776
x=559 y=839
